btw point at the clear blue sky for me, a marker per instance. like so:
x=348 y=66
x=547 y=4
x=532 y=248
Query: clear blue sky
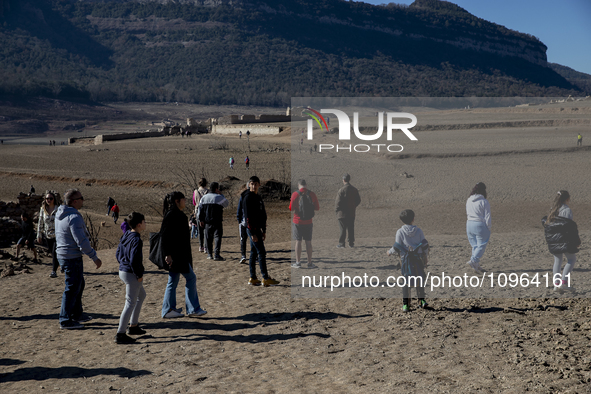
x=563 y=25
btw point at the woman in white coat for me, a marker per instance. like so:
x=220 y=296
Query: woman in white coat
x=478 y=224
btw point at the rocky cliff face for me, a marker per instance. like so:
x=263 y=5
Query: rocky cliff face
x=185 y=50
x=505 y=42
x=205 y=3
x=442 y=22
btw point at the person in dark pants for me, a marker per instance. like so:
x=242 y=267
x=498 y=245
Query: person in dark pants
x=72 y=242
x=110 y=203
x=579 y=140
x=115 y=211
x=211 y=216
x=197 y=196
x=46 y=227
x=346 y=203
x=28 y=236
x=256 y=228
x=242 y=226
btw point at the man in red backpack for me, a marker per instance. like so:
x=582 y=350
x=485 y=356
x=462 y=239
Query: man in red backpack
x=303 y=203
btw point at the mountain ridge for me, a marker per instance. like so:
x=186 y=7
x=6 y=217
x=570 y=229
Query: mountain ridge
x=157 y=50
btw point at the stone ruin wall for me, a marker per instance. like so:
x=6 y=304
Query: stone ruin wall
x=10 y=216
x=254 y=129
x=247 y=119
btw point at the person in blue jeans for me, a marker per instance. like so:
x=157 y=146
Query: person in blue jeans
x=71 y=242
x=176 y=245
x=478 y=225
x=256 y=228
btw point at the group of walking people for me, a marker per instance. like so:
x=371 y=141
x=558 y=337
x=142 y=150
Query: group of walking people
x=231 y=161
x=560 y=231
x=252 y=221
x=66 y=225
x=304 y=203
x=63 y=229
x=561 y=234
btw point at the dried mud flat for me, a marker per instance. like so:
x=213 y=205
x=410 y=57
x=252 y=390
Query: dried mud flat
x=257 y=339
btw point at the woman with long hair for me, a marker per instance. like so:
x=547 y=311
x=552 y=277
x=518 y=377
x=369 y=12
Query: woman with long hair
x=131 y=272
x=46 y=227
x=478 y=224
x=562 y=236
x=176 y=245
x=197 y=195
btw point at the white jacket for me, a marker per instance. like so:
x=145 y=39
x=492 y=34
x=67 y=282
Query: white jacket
x=478 y=209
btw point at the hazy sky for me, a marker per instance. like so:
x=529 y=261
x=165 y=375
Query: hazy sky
x=563 y=25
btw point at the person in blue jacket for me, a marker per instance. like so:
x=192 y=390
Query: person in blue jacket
x=131 y=271
x=72 y=242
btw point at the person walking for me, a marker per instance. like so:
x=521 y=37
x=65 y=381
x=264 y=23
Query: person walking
x=248 y=134
x=247 y=162
x=197 y=195
x=176 y=246
x=579 y=140
x=240 y=134
x=256 y=228
x=346 y=204
x=478 y=224
x=562 y=237
x=115 y=211
x=303 y=203
x=211 y=216
x=412 y=247
x=110 y=203
x=231 y=161
x=194 y=226
x=131 y=272
x=46 y=228
x=72 y=241
x=31 y=191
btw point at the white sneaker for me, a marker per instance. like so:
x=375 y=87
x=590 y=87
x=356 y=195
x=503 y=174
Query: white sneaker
x=297 y=264
x=199 y=312
x=172 y=314
x=243 y=260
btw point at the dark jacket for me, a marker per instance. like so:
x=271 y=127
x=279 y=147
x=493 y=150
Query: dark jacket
x=347 y=201
x=27 y=231
x=240 y=210
x=562 y=235
x=254 y=212
x=129 y=254
x=176 y=240
x=211 y=208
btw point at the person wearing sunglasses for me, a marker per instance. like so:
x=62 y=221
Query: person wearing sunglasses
x=46 y=227
x=72 y=241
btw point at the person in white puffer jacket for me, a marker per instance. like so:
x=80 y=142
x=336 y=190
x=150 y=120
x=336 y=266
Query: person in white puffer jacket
x=478 y=224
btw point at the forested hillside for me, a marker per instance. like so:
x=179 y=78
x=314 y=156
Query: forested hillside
x=263 y=52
